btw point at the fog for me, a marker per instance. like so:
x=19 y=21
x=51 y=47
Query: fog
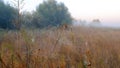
x=115 y=25
x=100 y=24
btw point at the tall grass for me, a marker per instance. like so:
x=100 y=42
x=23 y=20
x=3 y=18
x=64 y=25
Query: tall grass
x=81 y=47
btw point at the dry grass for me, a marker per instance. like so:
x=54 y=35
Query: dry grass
x=81 y=47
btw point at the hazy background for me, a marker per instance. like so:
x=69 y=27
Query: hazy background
x=107 y=11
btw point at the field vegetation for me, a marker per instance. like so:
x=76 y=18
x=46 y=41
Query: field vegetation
x=75 y=47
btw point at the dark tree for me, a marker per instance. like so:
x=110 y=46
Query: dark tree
x=51 y=13
x=6 y=16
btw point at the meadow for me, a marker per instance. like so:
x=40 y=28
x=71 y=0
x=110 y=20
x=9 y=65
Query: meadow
x=75 y=47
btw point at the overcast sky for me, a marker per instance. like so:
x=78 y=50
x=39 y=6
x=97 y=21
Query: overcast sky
x=105 y=10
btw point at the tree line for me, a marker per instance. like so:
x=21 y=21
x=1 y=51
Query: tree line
x=48 y=14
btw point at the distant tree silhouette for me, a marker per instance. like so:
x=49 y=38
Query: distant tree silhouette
x=6 y=15
x=95 y=22
x=51 y=13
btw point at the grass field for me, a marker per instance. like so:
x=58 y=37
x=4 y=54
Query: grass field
x=79 y=47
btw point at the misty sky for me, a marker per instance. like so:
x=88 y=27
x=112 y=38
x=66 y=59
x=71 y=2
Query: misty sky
x=105 y=10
